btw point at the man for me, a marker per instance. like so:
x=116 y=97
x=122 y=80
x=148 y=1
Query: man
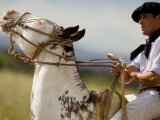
x=145 y=68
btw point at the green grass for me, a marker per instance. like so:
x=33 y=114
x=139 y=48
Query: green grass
x=100 y=81
x=12 y=63
x=15 y=89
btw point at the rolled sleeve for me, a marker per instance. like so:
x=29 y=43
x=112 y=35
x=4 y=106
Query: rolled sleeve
x=136 y=61
x=136 y=65
x=156 y=60
x=156 y=68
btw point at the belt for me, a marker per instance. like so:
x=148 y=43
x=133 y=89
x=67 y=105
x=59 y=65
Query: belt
x=156 y=88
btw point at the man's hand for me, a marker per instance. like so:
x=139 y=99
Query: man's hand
x=116 y=69
x=132 y=71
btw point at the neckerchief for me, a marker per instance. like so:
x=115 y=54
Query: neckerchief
x=145 y=47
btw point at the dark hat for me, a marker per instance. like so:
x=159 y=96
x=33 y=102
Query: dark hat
x=148 y=7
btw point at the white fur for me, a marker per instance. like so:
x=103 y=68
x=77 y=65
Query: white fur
x=50 y=82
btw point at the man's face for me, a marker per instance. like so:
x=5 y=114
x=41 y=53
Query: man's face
x=149 y=23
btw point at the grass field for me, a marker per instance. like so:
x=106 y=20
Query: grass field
x=15 y=88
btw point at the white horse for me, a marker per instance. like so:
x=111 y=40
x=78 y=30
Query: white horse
x=58 y=93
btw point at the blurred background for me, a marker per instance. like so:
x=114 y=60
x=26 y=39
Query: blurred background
x=109 y=28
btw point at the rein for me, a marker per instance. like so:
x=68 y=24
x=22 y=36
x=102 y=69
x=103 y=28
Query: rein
x=54 y=40
x=62 y=42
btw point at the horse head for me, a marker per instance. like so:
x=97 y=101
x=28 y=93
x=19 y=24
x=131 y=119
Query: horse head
x=58 y=93
x=13 y=22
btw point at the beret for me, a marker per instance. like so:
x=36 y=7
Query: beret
x=148 y=7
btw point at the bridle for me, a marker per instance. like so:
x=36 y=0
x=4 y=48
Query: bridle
x=59 y=41
x=54 y=40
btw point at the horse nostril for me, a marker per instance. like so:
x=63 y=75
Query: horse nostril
x=5 y=18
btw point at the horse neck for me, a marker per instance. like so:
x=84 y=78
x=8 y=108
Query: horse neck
x=63 y=78
x=61 y=86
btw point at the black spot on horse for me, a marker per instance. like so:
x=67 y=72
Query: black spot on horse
x=72 y=106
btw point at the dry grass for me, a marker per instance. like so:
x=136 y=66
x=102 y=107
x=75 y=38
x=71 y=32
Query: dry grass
x=98 y=82
x=15 y=89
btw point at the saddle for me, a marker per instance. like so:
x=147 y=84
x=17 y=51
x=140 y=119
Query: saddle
x=103 y=111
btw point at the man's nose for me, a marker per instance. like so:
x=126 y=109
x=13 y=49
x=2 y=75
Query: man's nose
x=140 y=21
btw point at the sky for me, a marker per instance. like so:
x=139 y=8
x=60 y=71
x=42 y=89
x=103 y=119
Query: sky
x=108 y=23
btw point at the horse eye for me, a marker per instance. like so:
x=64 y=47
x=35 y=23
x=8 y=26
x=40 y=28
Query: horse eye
x=5 y=18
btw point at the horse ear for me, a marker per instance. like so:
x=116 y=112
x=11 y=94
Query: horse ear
x=70 y=30
x=77 y=36
x=66 y=32
x=71 y=33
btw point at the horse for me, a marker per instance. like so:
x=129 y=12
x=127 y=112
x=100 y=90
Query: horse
x=58 y=93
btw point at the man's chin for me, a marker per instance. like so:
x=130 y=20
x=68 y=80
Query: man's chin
x=144 y=33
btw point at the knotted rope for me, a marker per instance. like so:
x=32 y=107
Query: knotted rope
x=112 y=91
x=10 y=25
x=54 y=39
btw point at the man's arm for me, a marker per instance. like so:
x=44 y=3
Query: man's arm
x=148 y=78
x=132 y=73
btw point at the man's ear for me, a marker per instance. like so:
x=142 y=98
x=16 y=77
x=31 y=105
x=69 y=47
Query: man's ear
x=158 y=18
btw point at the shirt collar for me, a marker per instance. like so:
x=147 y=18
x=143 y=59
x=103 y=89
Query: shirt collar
x=154 y=36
